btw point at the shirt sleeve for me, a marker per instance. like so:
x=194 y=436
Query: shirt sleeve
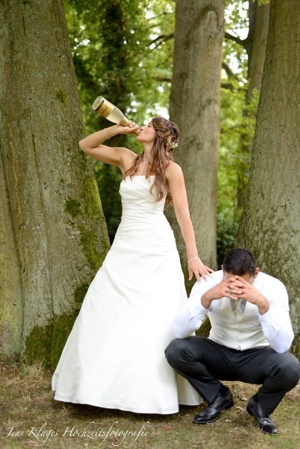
x=192 y=314
x=276 y=323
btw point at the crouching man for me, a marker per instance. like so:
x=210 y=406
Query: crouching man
x=250 y=335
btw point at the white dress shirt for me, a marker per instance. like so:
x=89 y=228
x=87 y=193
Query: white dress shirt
x=238 y=324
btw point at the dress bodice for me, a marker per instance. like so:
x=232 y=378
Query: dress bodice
x=137 y=200
x=142 y=215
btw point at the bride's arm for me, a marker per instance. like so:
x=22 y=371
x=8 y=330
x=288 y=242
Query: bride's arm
x=118 y=156
x=177 y=189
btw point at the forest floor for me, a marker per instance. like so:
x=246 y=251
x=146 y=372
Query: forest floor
x=30 y=418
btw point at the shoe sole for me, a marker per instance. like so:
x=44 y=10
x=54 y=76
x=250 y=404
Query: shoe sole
x=215 y=419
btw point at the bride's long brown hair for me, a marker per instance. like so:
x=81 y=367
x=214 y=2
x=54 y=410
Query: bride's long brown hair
x=167 y=134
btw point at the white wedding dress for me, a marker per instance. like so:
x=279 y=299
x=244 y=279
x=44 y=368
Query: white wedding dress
x=114 y=357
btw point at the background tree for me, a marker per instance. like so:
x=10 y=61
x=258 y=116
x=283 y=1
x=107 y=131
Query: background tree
x=270 y=225
x=243 y=61
x=255 y=47
x=53 y=234
x=195 y=107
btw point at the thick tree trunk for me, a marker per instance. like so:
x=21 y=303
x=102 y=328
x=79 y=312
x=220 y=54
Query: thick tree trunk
x=53 y=234
x=270 y=225
x=195 y=107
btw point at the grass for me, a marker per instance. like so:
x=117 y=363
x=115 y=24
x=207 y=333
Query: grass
x=30 y=418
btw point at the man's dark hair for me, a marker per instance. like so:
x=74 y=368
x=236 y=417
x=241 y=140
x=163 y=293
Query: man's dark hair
x=239 y=261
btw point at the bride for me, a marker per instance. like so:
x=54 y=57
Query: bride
x=114 y=356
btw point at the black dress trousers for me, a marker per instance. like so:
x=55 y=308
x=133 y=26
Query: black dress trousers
x=204 y=363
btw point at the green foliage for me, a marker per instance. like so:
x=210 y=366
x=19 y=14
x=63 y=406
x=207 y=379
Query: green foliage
x=109 y=178
x=121 y=51
x=107 y=51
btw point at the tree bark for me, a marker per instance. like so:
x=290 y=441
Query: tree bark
x=53 y=234
x=270 y=225
x=195 y=107
x=255 y=45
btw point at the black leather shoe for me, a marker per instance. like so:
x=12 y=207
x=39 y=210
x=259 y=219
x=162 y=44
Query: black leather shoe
x=212 y=412
x=264 y=422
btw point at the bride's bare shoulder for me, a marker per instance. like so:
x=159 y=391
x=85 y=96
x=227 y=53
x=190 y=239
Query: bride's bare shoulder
x=173 y=170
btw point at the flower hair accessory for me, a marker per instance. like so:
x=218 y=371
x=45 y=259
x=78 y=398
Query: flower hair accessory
x=173 y=145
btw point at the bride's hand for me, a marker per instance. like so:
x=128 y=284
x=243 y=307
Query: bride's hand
x=197 y=268
x=132 y=128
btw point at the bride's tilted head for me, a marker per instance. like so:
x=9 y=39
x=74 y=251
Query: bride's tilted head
x=159 y=138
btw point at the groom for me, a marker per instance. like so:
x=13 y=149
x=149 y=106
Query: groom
x=250 y=335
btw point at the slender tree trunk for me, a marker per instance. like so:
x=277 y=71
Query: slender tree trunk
x=255 y=45
x=53 y=234
x=270 y=225
x=195 y=107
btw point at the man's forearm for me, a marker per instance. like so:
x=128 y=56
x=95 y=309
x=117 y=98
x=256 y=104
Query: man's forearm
x=206 y=300
x=263 y=305
x=277 y=328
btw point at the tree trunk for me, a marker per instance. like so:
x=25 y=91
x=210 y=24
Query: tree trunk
x=195 y=107
x=53 y=234
x=255 y=45
x=270 y=225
